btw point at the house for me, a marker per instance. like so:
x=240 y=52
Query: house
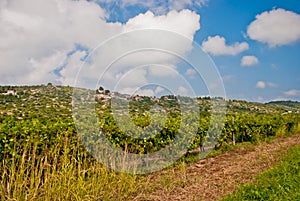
x=138 y=98
x=10 y=92
x=103 y=96
x=155 y=99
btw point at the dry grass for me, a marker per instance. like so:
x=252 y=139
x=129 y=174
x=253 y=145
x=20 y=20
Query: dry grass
x=60 y=174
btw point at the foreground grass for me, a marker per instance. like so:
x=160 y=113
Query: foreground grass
x=65 y=171
x=282 y=182
x=60 y=173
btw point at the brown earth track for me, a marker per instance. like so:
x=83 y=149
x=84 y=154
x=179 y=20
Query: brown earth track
x=214 y=178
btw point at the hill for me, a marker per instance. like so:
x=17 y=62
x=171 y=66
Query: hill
x=292 y=105
x=46 y=158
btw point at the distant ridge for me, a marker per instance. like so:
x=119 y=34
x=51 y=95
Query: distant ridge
x=290 y=104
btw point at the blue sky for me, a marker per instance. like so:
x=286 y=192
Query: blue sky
x=278 y=67
x=254 y=44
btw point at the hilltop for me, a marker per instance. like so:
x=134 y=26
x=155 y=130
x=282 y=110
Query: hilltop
x=50 y=101
x=291 y=105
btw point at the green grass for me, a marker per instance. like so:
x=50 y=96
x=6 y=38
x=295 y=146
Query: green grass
x=282 y=182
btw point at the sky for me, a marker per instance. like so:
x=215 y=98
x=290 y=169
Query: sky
x=246 y=50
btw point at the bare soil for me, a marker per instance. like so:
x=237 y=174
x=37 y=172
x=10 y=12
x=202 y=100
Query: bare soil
x=214 y=178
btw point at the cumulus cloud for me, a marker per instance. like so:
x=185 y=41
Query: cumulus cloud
x=182 y=90
x=145 y=92
x=70 y=67
x=292 y=92
x=43 y=67
x=249 y=60
x=163 y=71
x=159 y=90
x=46 y=41
x=173 y=21
x=191 y=73
x=217 y=46
x=34 y=32
x=261 y=85
x=276 y=27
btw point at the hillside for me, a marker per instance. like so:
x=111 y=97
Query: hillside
x=288 y=105
x=47 y=106
x=56 y=101
x=45 y=157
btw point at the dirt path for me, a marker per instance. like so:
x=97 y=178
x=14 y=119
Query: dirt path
x=213 y=178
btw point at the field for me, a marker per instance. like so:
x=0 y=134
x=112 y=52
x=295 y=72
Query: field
x=43 y=157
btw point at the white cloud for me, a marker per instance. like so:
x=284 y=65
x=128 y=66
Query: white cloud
x=182 y=91
x=158 y=90
x=129 y=90
x=249 y=60
x=292 y=92
x=260 y=99
x=217 y=46
x=32 y=32
x=38 y=38
x=134 y=78
x=157 y=60
x=271 y=84
x=71 y=68
x=142 y=92
x=173 y=21
x=44 y=67
x=261 y=85
x=226 y=78
x=191 y=73
x=276 y=27
x=145 y=92
x=163 y=71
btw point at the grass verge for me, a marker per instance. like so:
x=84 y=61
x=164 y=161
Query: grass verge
x=282 y=182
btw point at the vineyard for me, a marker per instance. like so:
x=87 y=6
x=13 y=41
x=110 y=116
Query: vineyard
x=43 y=155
